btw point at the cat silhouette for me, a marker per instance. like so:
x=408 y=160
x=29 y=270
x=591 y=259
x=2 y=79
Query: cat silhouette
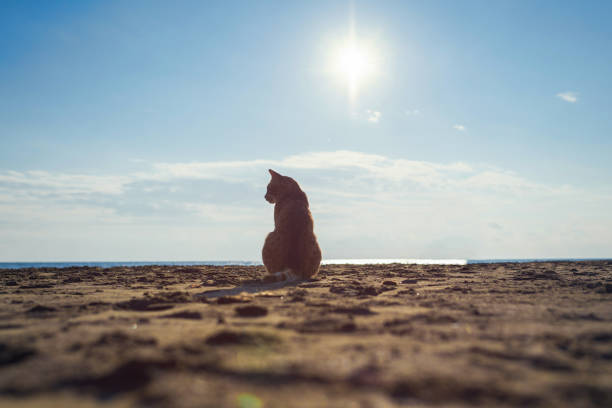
x=291 y=251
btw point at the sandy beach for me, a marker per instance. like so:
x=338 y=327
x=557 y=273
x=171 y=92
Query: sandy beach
x=533 y=334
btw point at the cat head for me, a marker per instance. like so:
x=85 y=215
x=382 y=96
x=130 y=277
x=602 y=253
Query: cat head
x=283 y=187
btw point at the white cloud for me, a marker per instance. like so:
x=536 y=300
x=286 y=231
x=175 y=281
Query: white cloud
x=373 y=116
x=363 y=203
x=570 y=97
x=460 y=128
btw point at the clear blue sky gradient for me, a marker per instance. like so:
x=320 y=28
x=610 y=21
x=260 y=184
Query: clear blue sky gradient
x=111 y=88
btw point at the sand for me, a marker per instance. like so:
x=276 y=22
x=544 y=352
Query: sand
x=537 y=334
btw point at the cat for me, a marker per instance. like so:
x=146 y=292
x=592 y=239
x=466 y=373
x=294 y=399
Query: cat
x=291 y=251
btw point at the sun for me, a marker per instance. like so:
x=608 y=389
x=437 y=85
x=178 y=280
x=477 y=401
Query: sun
x=355 y=62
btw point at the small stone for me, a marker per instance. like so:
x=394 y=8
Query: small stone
x=251 y=311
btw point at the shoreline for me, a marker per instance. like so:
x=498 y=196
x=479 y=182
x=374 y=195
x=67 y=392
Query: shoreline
x=401 y=261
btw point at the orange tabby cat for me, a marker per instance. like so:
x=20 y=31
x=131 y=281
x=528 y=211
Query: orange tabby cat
x=290 y=251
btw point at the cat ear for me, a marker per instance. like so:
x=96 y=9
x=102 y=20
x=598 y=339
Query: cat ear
x=273 y=173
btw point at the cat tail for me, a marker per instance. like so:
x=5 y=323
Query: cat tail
x=284 y=275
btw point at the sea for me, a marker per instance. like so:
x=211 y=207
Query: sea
x=20 y=265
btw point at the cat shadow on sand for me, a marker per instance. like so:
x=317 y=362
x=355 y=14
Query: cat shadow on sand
x=251 y=288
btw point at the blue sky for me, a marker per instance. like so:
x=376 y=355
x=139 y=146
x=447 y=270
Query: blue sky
x=143 y=130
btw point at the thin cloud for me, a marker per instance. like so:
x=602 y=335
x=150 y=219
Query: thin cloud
x=570 y=97
x=460 y=128
x=373 y=116
x=43 y=181
x=413 y=112
x=339 y=165
x=221 y=212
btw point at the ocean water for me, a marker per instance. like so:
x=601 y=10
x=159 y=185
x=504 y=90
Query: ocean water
x=397 y=260
x=19 y=265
